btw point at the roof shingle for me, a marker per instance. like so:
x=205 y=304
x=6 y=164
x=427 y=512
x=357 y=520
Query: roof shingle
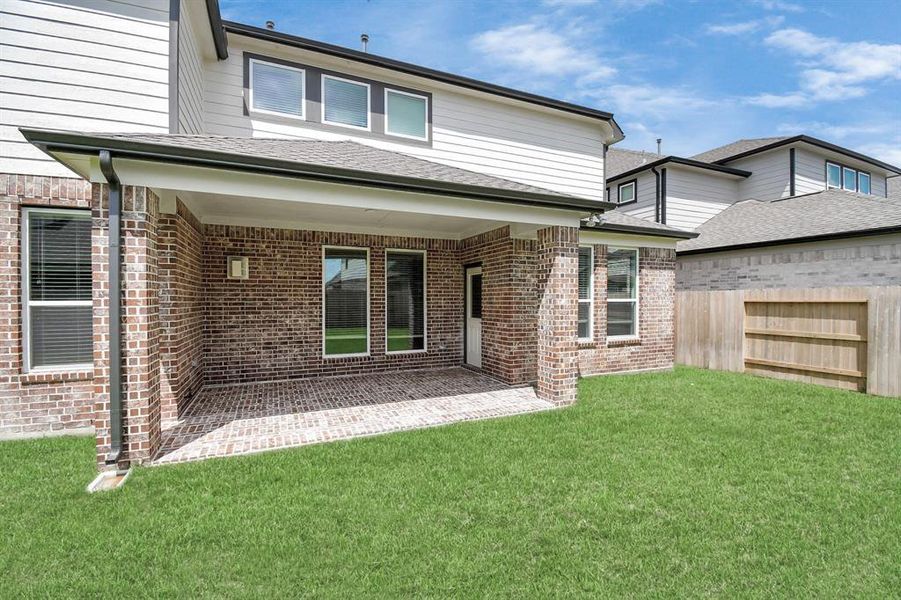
x=739 y=147
x=620 y=160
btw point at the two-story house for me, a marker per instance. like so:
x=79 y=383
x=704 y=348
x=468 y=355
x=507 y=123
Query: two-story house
x=192 y=206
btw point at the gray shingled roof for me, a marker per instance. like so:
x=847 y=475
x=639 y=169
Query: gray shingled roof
x=337 y=154
x=830 y=212
x=729 y=150
x=620 y=160
x=616 y=217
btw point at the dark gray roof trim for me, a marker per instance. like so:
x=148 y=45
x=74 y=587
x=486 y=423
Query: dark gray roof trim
x=494 y=189
x=637 y=229
x=219 y=39
x=798 y=240
x=678 y=160
x=813 y=142
x=411 y=69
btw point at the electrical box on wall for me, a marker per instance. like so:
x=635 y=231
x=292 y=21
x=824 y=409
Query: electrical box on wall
x=237 y=267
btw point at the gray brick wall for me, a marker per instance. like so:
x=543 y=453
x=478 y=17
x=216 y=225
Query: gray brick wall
x=851 y=262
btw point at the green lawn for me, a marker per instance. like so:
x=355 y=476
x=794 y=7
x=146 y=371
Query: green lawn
x=352 y=340
x=688 y=483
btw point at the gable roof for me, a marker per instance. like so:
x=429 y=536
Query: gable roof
x=823 y=215
x=748 y=147
x=343 y=162
x=625 y=160
x=621 y=160
x=419 y=71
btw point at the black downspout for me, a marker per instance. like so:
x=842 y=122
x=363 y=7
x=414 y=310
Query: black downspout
x=115 y=308
x=656 y=193
x=663 y=196
x=791 y=172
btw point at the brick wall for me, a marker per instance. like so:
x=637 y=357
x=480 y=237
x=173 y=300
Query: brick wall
x=34 y=403
x=655 y=346
x=866 y=261
x=269 y=326
x=181 y=309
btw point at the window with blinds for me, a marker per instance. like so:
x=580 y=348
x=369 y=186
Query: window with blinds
x=346 y=310
x=622 y=292
x=345 y=102
x=276 y=89
x=405 y=305
x=56 y=284
x=406 y=115
x=586 y=292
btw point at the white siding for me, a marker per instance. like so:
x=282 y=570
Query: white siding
x=480 y=133
x=770 y=179
x=645 y=206
x=693 y=197
x=190 y=73
x=810 y=171
x=90 y=65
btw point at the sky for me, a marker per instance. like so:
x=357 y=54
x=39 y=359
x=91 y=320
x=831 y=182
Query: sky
x=698 y=74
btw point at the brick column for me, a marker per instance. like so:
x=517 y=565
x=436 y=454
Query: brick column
x=558 y=289
x=140 y=324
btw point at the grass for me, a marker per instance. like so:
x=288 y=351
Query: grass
x=688 y=483
x=352 y=340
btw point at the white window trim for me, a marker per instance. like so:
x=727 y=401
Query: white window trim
x=368 y=103
x=401 y=135
x=869 y=182
x=844 y=187
x=619 y=192
x=425 y=297
x=303 y=100
x=636 y=300
x=26 y=288
x=840 y=171
x=368 y=302
x=589 y=300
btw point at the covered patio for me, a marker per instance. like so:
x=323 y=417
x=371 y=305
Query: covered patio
x=249 y=418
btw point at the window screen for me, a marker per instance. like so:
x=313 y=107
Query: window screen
x=276 y=88
x=833 y=175
x=58 y=310
x=622 y=292
x=849 y=179
x=586 y=293
x=405 y=288
x=345 y=102
x=346 y=280
x=406 y=114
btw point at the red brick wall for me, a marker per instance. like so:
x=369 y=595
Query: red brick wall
x=181 y=309
x=269 y=326
x=33 y=404
x=655 y=346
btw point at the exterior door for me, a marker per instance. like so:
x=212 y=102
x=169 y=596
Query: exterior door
x=474 y=317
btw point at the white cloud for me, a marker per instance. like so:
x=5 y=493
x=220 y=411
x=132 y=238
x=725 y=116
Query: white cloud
x=890 y=153
x=832 y=70
x=540 y=51
x=780 y=5
x=743 y=27
x=792 y=100
x=567 y=3
x=650 y=101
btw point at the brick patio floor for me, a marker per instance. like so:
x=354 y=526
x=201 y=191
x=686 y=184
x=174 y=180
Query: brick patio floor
x=244 y=419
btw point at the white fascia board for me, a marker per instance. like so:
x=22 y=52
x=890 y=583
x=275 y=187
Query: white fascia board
x=609 y=238
x=182 y=178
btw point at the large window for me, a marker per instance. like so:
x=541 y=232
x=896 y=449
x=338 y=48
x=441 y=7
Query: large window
x=276 y=89
x=345 y=102
x=346 y=299
x=622 y=292
x=56 y=284
x=405 y=300
x=586 y=292
x=406 y=115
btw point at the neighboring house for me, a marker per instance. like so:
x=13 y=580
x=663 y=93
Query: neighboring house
x=291 y=209
x=686 y=192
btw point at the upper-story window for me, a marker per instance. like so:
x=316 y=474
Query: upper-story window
x=345 y=102
x=276 y=89
x=626 y=192
x=406 y=114
x=846 y=178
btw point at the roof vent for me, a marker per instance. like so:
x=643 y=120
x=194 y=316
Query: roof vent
x=270 y=25
x=659 y=146
x=364 y=39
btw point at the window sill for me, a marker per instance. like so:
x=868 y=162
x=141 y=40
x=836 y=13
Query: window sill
x=34 y=377
x=624 y=341
x=586 y=344
x=403 y=352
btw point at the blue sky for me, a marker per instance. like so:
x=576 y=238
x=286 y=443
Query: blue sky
x=696 y=73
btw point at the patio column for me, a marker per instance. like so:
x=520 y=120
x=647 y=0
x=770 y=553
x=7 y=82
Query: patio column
x=140 y=324
x=558 y=289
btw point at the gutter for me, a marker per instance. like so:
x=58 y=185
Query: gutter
x=418 y=71
x=656 y=193
x=823 y=237
x=115 y=309
x=636 y=229
x=218 y=31
x=51 y=141
x=688 y=162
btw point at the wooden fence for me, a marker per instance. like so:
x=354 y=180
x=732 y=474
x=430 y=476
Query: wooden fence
x=841 y=337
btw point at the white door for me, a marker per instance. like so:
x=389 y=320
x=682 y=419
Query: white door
x=474 y=317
